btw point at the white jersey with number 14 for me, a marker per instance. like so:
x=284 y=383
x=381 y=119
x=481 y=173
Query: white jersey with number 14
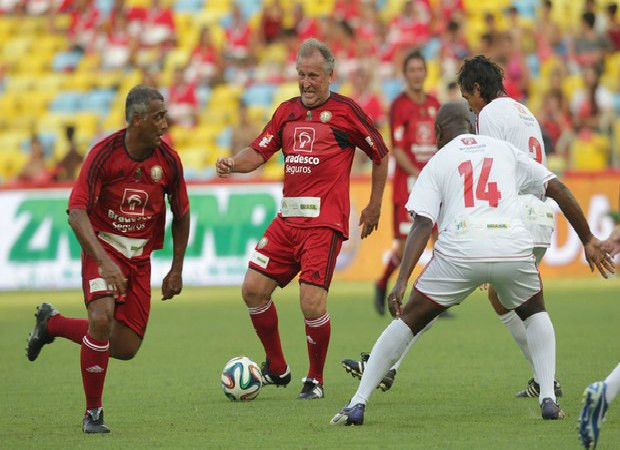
x=470 y=189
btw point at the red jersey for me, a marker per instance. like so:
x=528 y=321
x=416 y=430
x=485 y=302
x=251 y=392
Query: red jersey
x=318 y=145
x=413 y=130
x=124 y=198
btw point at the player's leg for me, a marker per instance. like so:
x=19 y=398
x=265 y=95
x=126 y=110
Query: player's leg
x=518 y=285
x=272 y=264
x=442 y=284
x=94 y=357
x=318 y=252
x=396 y=255
x=313 y=302
x=256 y=291
x=596 y=400
x=418 y=313
x=49 y=324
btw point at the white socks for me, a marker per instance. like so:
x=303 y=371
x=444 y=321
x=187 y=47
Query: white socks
x=413 y=341
x=613 y=384
x=389 y=347
x=541 y=342
x=516 y=327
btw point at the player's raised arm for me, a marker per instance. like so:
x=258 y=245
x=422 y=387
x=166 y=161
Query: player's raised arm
x=595 y=254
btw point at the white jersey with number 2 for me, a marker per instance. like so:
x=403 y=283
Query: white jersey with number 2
x=470 y=189
x=506 y=119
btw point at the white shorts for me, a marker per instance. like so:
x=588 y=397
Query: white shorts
x=448 y=281
x=538 y=218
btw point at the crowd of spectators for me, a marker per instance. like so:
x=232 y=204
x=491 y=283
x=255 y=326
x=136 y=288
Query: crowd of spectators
x=561 y=71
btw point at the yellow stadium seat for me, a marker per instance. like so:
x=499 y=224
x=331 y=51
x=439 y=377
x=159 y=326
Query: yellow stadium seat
x=591 y=153
x=284 y=92
x=194 y=158
x=11 y=163
x=50 y=83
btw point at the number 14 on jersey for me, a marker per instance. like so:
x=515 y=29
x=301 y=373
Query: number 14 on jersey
x=484 y=190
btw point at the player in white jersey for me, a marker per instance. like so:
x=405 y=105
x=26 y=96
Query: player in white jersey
x=502 y=117
x=598 y=396
x=470 y=190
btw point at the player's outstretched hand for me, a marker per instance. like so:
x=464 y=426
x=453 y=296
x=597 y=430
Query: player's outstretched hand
x=598 y=257
x=395 y=299
x=224 y=167
x=113 y=275
x=612 y=244
x=172 y=285
x=369 y=219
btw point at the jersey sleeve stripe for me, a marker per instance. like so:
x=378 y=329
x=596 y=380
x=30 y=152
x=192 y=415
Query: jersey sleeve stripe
x=96 y=167
x=369 y=126
x=381 y=148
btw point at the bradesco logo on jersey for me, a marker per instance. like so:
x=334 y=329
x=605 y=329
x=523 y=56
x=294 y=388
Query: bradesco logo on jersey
x=134 y=202
x=304 y=139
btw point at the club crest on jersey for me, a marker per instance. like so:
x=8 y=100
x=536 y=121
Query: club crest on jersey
x=520 y=108
x=134 y=202
x=304 y=139
x=325 y=116
x=469 y=141
x=156 y=173
x=262 y=243
x=432 y=111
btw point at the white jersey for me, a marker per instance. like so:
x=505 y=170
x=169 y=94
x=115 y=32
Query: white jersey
x=470 y=188
x=506 y=119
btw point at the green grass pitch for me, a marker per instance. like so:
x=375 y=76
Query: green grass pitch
x=455 y=390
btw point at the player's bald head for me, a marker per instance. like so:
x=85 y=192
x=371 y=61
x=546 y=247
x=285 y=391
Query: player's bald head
x=452 y=120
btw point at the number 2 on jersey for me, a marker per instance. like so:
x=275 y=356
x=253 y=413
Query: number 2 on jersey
x=535 y=148
x=484 y=190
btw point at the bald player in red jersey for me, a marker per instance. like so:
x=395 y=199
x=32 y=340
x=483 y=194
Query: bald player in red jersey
x=318 y=133
x=117 y=210
x=412 y=124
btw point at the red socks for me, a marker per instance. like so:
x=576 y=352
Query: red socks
x=94 y=361
x=318 y=331
x=265 y=321
x=67 y=327
x=392 y=265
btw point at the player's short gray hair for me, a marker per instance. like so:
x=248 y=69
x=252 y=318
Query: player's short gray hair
x=138 y=101
x=311 y=45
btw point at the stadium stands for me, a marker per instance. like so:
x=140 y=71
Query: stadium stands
x=53 y=71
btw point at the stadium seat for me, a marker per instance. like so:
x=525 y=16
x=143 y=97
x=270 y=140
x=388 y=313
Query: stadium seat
x=590 y=152
x=188 y=6
x=391 y=88
x=66 y=102
x=66 y=61
x=259 y=95
x=11 y=162
x=98 y=101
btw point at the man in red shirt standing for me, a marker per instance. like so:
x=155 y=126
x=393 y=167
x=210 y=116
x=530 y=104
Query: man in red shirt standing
x=412 y=123
x=117 y=210
x=318 y=133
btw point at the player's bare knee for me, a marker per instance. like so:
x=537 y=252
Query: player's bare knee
x=100 y=324
x=123 y=356
x=253 y=296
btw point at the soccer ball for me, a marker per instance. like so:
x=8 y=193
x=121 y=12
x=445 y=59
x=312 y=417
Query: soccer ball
x=241 y=379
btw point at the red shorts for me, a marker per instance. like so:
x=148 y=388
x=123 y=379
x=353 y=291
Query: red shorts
x=285 y=250
x=402 y=221
x=133 y=308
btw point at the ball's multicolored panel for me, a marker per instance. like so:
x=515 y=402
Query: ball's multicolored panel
x=241 y=379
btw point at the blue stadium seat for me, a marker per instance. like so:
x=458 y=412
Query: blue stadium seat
x=48 y=140
x=250 y=7
x=66 y=102
x=188 y=6
x=64 y=61
x=617 y=103
x=104 y=6
x=526 y=8
x=391 y=88
x=98 y=101
x=533 y=63
x=431 y=49
x=259 y=95
x=224 y=139
x=203 y=93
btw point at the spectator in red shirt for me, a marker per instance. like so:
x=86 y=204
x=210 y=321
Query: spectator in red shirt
x=182 y=100
x=238 y=36
x=613 y=26
x=205 y=64
x=271 y=22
